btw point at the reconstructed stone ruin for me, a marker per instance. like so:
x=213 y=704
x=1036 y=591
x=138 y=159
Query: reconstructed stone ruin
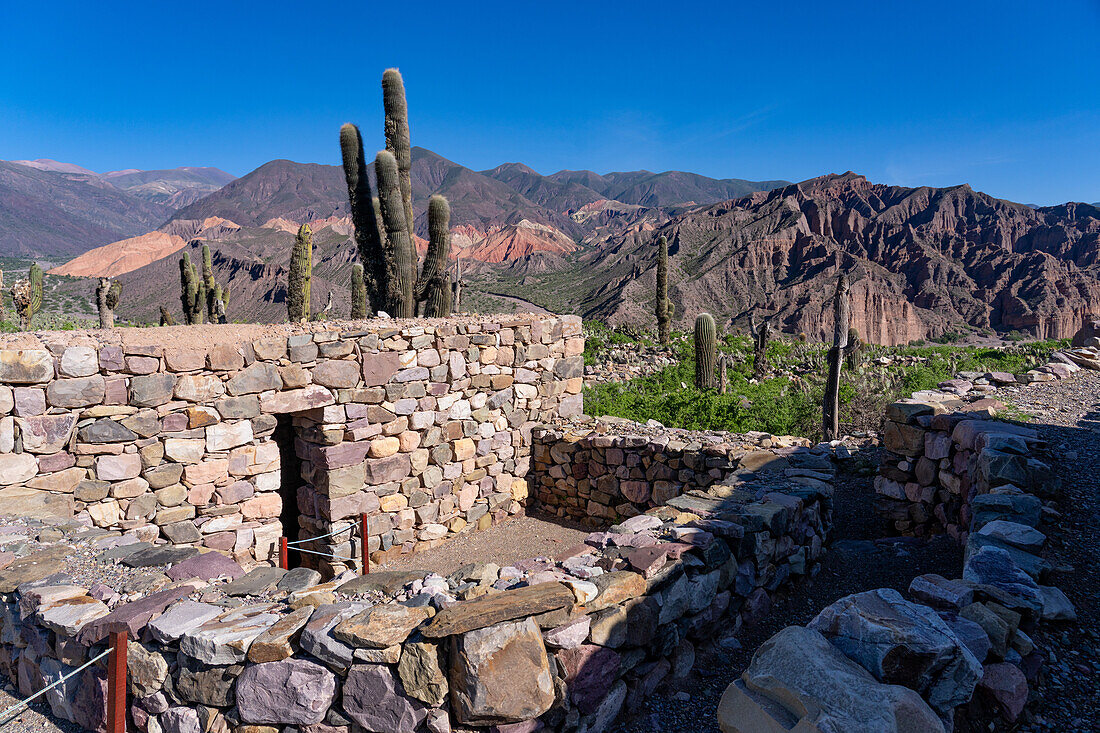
x=697 y=534
x=955 y=649
x=423 y=425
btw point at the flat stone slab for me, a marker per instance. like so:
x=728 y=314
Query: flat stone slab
x=387 y=581
x=122 y=551
x=226 y=639
x=33 y=567
x=256 y=581
x=206 y=566
x=382 y=626
x=132 y=616
x=181 y=618
x=299 y=579
x=506 y=606
x=159 y=555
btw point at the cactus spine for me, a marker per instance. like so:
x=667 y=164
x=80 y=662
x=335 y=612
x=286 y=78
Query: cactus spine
x=300 y=275
x=27 y=296
x=384 y=227
x=358 y=293
x=706 y=349
x=107 y=296
x=192 y=292
x=665 y=309
x=830 y=408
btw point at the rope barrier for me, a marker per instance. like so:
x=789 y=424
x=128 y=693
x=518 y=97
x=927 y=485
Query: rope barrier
x=8 y=715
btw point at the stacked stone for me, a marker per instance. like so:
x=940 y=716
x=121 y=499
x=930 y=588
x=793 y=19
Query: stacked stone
x=619 y=469
x=555 y=644
x=957 y=655
x=425 y=426
x=943 y=452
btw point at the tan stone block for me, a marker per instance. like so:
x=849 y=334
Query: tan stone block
x=207 y=472
x=393 y=502
x=262 y=506
x=62 y=482
x=464 y=449
x=384 y=447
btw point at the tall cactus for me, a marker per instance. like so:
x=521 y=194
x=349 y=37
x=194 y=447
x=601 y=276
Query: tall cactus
x=192 y=292
x=358 y=293
x=706 y=350
x=107 y=296
x=665 y=308
x=27 y=296
x=300 y=276
x=434 y=285
x=385 y=228
x=830 y=408
x=760 y=335
x=216 y=296
x=397 y=136
x=370 y=239
x=456 y=287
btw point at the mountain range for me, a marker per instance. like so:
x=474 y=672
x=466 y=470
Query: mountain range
x=925 y=261
x=52 y=208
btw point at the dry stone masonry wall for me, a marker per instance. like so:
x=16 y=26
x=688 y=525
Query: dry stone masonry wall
x=423 y=425
x=556 y=644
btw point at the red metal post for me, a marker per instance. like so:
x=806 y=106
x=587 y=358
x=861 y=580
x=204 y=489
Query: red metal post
x=363 y=543
x=284 y=561
x=116 y=683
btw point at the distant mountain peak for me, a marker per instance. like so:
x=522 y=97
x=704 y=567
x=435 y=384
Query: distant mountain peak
x=46 y=164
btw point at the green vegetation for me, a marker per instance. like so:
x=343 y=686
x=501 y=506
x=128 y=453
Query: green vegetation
x=790 y=401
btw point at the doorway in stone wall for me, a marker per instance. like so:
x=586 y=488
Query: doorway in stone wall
x=290 y=480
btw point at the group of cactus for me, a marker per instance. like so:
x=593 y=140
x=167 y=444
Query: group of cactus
x=202 y=297
x=384 y=225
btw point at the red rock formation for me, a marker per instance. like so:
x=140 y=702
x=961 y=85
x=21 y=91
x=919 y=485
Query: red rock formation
x=126 y=255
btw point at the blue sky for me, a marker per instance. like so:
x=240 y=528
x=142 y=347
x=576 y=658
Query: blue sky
x=1002 y=95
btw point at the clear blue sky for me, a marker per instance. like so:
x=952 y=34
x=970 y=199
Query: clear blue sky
x=1002 y=95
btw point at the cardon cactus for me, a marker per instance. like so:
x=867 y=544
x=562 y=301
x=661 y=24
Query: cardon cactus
x=397 y=232
x=26 y=294
x=300 y=275
x=434 y=285
x=706 y=350
x=760 y=335
x=384 y=227
x=830 y=406
x=665 y=308
x=216 y=296
x=190 y=291
x=358 y=293
x=107 y=296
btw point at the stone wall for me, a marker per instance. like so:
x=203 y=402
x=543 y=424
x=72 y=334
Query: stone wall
x=167 y=434
x=557 y=644
x=944 y=450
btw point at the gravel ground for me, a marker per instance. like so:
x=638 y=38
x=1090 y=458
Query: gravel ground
x=36 y=719
x=519 y=538
x=1068 y=416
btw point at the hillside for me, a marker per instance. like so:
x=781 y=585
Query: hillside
x=50 y=211
x=174 y=187
x=926 y=261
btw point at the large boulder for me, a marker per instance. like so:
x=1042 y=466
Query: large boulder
x=798 y=681
x=375 y=699
x=500 y=674
x=1088 y=334
x=291 y=691
x=900 y=642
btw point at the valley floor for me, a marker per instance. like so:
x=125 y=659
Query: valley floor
x=861 y=557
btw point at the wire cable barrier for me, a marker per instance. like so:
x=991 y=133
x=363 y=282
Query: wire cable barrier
x=8 y=715
x=285 y=545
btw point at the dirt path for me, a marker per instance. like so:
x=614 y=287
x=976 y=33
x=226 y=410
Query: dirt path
x=521 y=538
x=1068 y=416
x=858 y=559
